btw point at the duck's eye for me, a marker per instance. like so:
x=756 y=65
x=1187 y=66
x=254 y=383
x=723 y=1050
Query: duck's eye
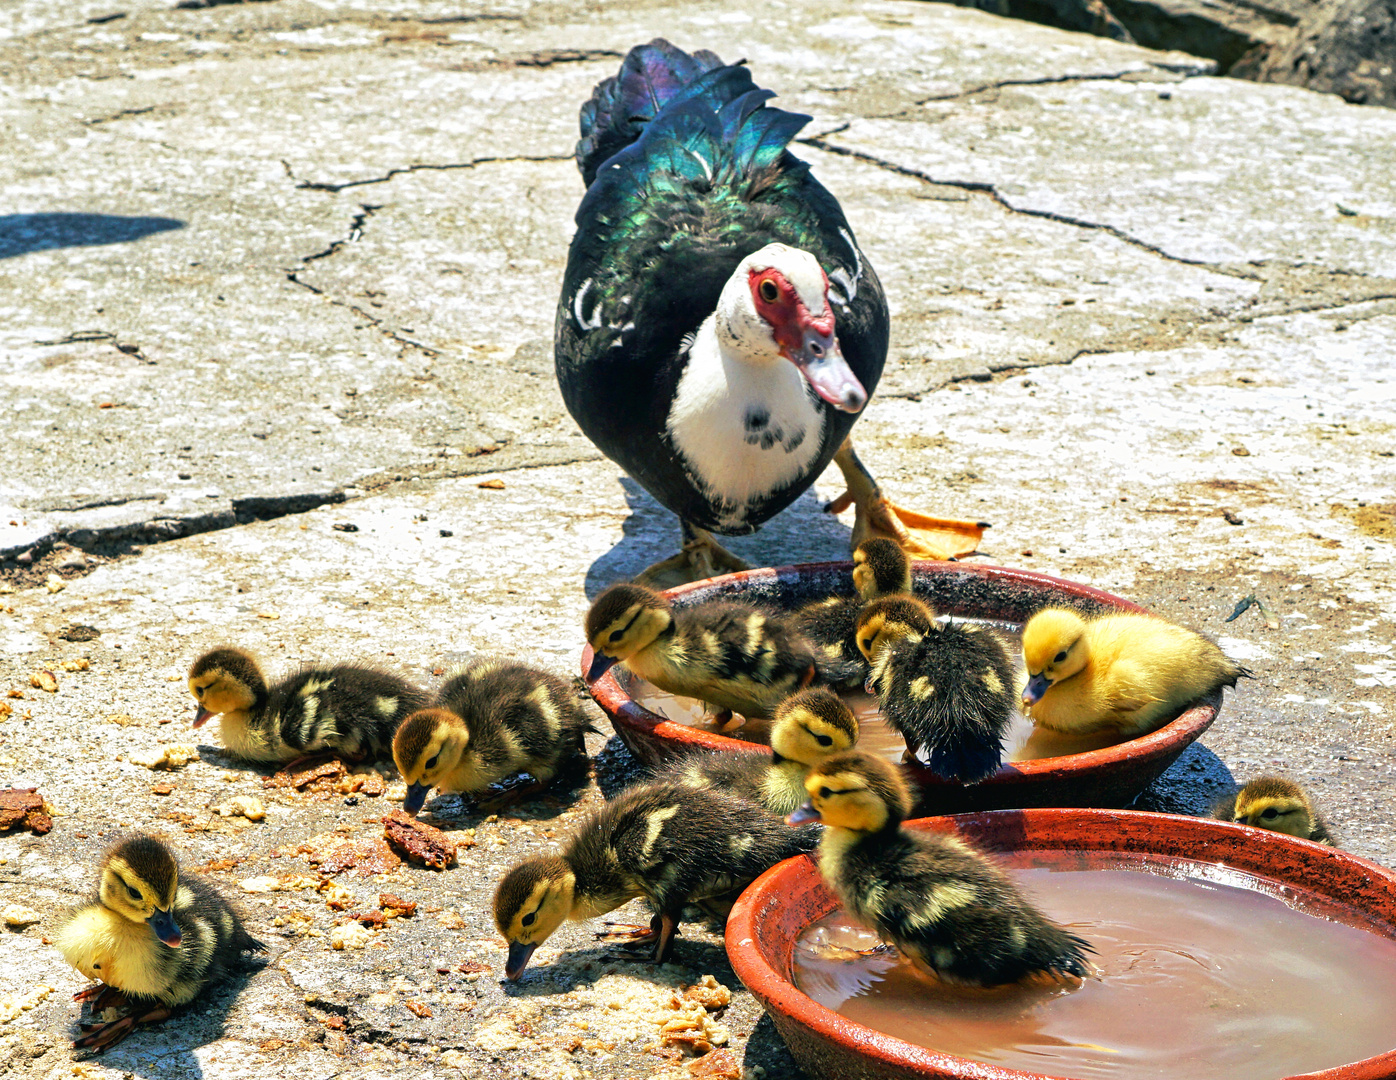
x=96 y=967
x=1269 y=813
x=1059 y=657
x=769 y=292
x=823 y=740
x=824 y=793
x=198 y=691
x=529 y=919
x=134 y=893
x=432 y=763
x=616 y=635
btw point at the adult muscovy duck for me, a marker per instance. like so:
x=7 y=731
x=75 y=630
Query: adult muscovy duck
x=719 y=330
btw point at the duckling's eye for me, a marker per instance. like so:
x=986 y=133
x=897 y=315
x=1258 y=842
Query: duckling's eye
x=1059 y=657
x=769 y=292
x=198 y=692
x=616 y=635
x=824 y=793
x=1269 y=813
x=135 y=893
x=528 y=919
x=823 y=740
x=432 y=763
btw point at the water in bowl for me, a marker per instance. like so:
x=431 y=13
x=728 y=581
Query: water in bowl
x=1202 y=973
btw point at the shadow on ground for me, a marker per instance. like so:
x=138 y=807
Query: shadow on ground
x=22 y=233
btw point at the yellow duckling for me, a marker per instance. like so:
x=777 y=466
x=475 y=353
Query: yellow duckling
x=1130 y=672
x=670 y=843
x=347 y=709
x=880 y=568
x=152 y=941
x=807 y=728
x=491 y=720
x=1273 y=802
x=736 y=657
x=944 y=904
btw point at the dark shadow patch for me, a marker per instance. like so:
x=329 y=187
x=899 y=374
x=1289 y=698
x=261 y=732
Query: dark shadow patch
x=22 y=233
x=1191 y=785
x=766 y=1050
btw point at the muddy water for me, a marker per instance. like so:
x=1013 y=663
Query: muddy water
x=1197 y=980
x=1022 y=742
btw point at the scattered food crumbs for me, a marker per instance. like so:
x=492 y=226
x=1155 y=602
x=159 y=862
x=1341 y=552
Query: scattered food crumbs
x=13 y=1004
x=1240 y=451
x=333 y=854
x=164 y=787
x=494 y=484
x=267 y=615
x=337 y=897
x=716 y=1065
x=19 y=915
x=169 y=756
x=55 y=584
x=473 y=967
x=369 y=784
x=246 y=806
x=419 y=842
x=451 y=919
x=344 y=526
x=395 y=907
x=6 y=710
x=12 y=693
x=261 y=884
x=24 y=807
x=268 y=1045
x=124 y=719
x=350 y=935
x=82 y=664
x=374 y=920
x=417 y=1009
x=44 y=680
x=321 y=778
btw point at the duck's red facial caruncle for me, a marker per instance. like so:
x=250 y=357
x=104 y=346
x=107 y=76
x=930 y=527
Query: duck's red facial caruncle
x=807 y=339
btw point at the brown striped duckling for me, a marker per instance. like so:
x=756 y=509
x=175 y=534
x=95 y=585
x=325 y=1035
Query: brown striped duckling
x=1274 y=802
x=348 y=709
x=491 y=720
x=940 y=901
x=1126 y=671
x=880 y=568
x=738 y=658
x=669 y=843
x=947 y=688
x=807 y=728
x=154 y=940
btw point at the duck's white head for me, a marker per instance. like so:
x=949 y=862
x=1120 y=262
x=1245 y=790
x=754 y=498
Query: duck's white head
x=776 y=306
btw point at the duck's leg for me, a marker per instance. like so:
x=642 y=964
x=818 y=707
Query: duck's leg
x=701 y=557
x=108 y=1035
x=875 y=515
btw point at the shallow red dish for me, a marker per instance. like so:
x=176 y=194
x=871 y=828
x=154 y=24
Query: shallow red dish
x=777 y=908
x=1109 y=777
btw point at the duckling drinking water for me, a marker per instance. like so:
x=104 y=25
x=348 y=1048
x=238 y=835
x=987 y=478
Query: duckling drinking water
x=154 y=940
x=947 y=688
x=348 y=709
x=1127 y=671
x=1274 y=802
x=491 y=720
x=740 y=658
x=941 y=902
x=880 y=568
x=670 y=843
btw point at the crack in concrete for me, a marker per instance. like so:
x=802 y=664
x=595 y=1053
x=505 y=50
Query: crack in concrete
x=1049 y=80
x=322 y=185
x=119 y=115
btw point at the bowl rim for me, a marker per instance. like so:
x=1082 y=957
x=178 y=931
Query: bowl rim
x=1132 y=831
x=1170 y=738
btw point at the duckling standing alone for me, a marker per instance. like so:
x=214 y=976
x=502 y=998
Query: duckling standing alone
x=1126 y=671
x=153 y=941
x=937 y=899
x=669 y=843
x=737 y=657
x=808 y=727
x=347 y=709
x=880 y=568
x=1273 y=802
x=945 y=688
x=491 y=719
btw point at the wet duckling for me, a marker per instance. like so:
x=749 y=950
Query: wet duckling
x=347 y=709
x=944 y=904
x=670 y=843
x=807 y=728
x=490 y=720
x=946 y=688
x=154 y=941
x=738 y=658
x=1274 y=802
x=1127 y=671
x=880 y=568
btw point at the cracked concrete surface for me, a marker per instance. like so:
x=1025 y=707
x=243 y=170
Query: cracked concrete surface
x=279 y=271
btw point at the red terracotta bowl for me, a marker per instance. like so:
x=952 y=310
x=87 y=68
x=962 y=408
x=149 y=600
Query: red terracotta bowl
x=1109 y=777
x=779 y=905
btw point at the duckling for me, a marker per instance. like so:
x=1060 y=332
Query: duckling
x=1274 y=802
x=490 y=720
x=670 y=843
x=880 y=568
x=943 y=903
x=1125 y=671
x=152 y=940
x=807 y=728
x=739 y=658
x=348 y=709
x=947 y=688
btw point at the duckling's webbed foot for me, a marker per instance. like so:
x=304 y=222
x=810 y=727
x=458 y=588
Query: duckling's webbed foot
x=701 y=557
x=102 y=997
x=108 y=1035
x=875 y=515
x=631 y=933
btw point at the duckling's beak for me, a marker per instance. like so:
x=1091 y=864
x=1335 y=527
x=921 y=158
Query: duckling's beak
x=804 y=814
x=416 y=795
x=203 y=716
x=1037 y=686
x=166 y=929
x=519 y=954
x=600 y=664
